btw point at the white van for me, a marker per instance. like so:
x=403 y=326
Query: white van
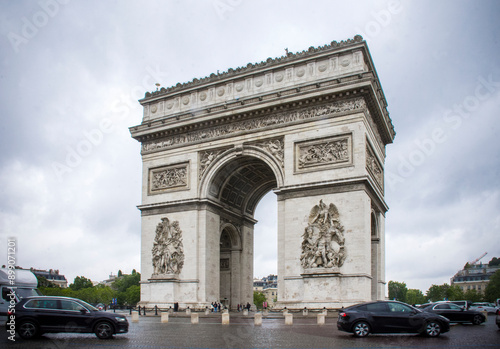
x=23 y=285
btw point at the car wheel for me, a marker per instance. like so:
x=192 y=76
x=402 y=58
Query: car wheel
x=432 y=329
x=477 y=320
x=28 y=330
x=103 y=330
x=361 y=329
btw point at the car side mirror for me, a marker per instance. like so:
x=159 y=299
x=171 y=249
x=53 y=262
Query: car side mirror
x=83 y=311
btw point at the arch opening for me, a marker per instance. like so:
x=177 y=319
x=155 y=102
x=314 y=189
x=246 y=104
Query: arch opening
x=238 y=186
x=241 y=183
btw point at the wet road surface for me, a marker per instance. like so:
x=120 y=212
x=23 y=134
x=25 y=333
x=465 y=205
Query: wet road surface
x=150 y=333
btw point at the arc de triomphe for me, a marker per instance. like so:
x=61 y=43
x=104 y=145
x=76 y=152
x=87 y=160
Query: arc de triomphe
x=312 y=127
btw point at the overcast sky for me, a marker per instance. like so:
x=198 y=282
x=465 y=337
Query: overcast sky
x=72 y=72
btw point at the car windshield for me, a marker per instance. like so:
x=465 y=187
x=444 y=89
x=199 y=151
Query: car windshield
x=88 y=306
x=27 y=292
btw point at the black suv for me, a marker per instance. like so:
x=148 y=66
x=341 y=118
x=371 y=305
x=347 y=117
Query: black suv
x=46 y=314
x=390 y=317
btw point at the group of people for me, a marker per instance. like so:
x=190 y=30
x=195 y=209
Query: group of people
x=216 y=307
x=241 y=307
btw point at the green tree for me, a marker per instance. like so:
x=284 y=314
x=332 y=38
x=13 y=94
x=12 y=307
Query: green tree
x=126 y=281
x=492 y=291
x=454 y=293
x=397 y=291
x=436 y=293
x=120 y=274
x=133 y=295
x=473 y=296
x=414 y=296
x=81 y=282
x=494 y=261
x=258 y=299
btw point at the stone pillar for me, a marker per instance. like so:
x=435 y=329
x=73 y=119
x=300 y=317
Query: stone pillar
x=321 y=318
x=288 y=319
x=305 y=312
x=164 y=317
x=207 y=311
x=245 y=312
x=135 y=316
x=188 y=311
x=257 y=319
x=194 y=318
x=225 y=318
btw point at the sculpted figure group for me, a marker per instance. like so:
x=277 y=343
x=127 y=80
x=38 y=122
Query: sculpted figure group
x=168 y=252
x=323 y=239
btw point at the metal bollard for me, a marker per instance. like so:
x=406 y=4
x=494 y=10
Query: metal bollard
x=156 y=310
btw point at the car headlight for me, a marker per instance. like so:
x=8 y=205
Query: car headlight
x=121 y=319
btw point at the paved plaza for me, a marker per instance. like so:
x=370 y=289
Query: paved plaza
x=150 y=333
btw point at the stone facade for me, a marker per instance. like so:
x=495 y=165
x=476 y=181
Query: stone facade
x=312 y=127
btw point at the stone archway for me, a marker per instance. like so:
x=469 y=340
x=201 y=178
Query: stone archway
x=312 y=127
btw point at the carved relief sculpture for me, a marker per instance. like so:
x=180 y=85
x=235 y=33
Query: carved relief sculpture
x=373 y=167
x=168 y=252
x=172 y=177
x=206 y=158
x=323 y=239
x=324 y=153
x=276 y=148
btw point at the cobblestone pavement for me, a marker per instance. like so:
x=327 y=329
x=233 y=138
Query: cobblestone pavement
x=150 y=333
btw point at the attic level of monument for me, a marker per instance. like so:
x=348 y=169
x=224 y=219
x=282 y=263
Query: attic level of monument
x=335 y=72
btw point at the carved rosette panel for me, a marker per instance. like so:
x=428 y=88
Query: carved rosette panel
x=233 y=128
x=206 y=158
x=323 y=239
x=275 y=147
x=168 y=251
x=172 y=177
x=329 y=152
x=374 y=167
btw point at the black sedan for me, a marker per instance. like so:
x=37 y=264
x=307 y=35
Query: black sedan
x=390 y=317
x=455 y=313
x=45 y=314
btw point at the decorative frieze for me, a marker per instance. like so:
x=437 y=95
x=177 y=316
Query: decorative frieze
x=168 y=251
x=374 y=167
x=323 y=240
x=325 y=152
x=277 y=119
x=172 y=177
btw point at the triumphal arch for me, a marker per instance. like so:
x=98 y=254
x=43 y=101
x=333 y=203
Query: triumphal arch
x=310 y=126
